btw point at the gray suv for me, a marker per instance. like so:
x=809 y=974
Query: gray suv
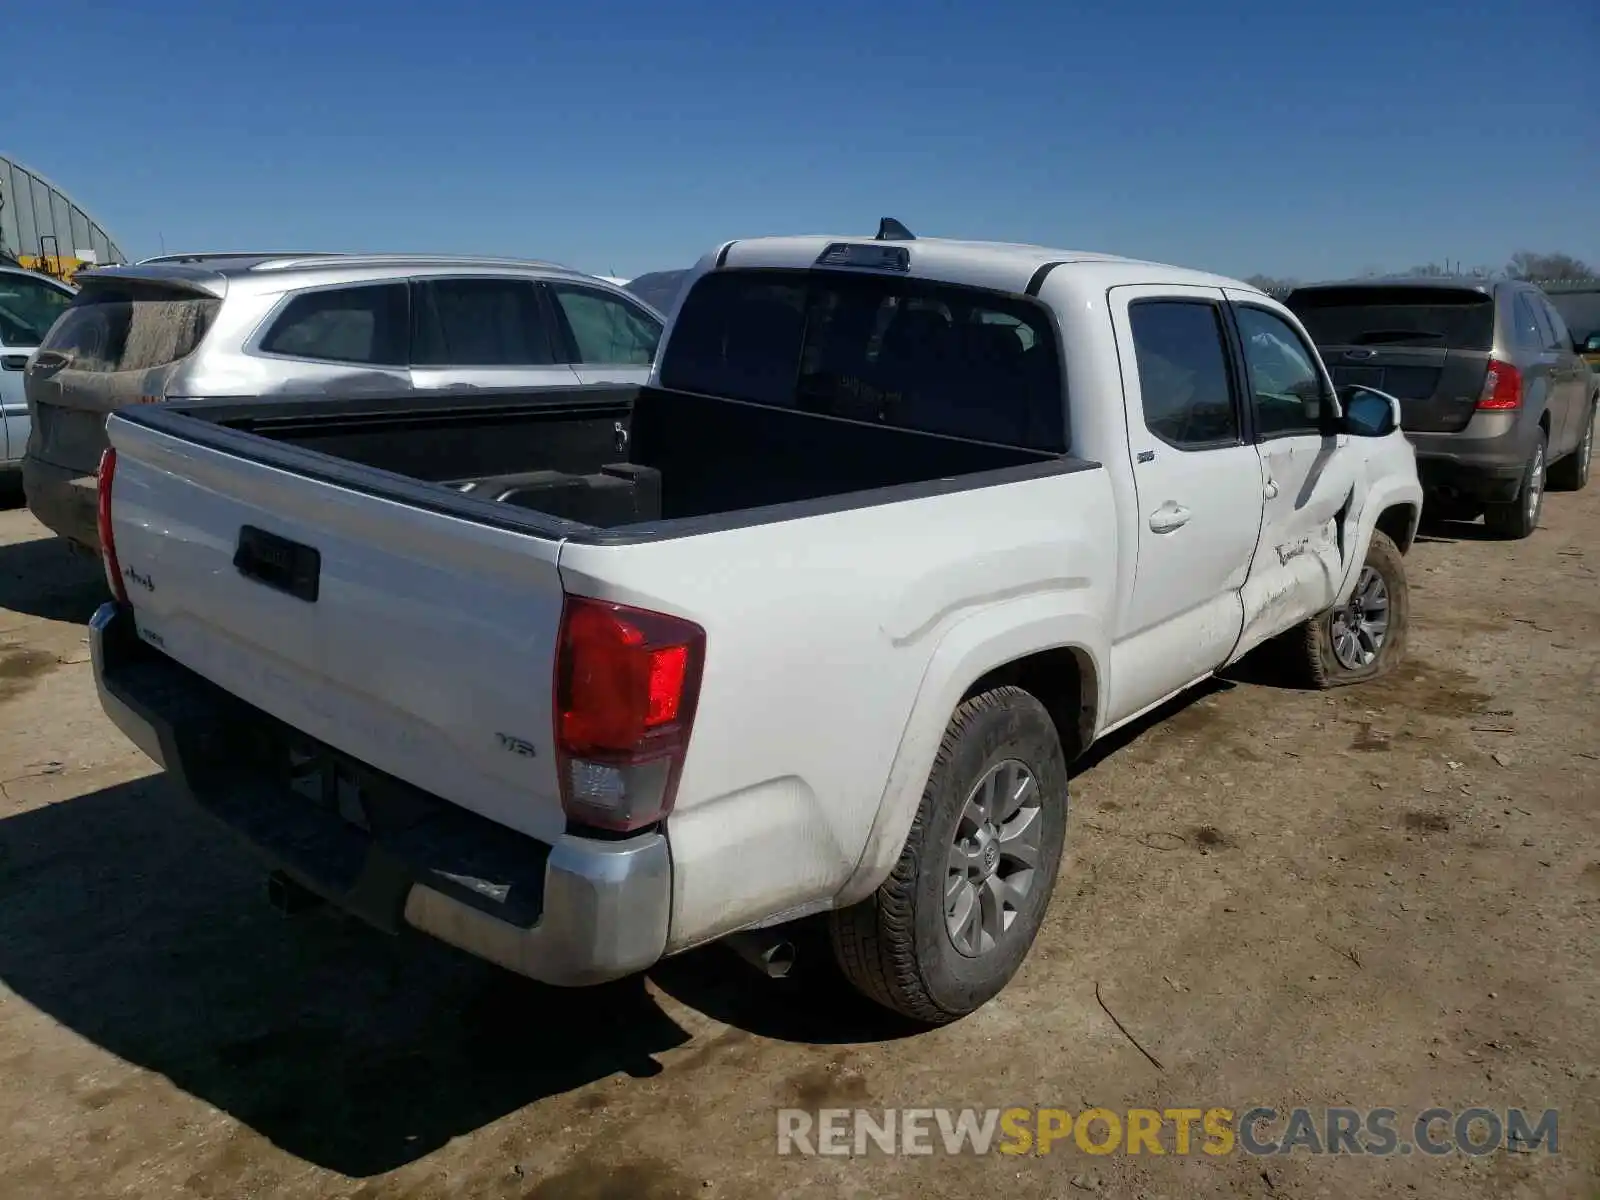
x=1494 y=394
x=324 y=325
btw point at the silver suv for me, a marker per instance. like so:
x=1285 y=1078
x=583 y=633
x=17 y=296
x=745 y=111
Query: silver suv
x=322 y=325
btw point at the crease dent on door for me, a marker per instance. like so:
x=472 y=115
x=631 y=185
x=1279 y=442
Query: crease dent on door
x=1305 y=539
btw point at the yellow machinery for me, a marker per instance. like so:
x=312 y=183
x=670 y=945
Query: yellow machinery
x=57 y=266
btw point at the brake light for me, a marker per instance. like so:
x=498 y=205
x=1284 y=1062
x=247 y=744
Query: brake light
x=627 y=681
x=102 y=521
x=1502 y=388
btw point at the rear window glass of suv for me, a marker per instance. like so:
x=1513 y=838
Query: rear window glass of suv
x=1431 y=318
x=938 y=358
x=368 y=324
x=116 y=325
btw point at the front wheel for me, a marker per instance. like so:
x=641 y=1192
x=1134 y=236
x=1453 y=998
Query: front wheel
x=1365 y=637
x=1571 y=474
x=1517 y=519
x=950 y=926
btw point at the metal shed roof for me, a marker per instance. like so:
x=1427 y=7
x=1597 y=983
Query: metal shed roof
x=38 y=218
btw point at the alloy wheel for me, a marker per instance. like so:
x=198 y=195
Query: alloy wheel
x=994 y=858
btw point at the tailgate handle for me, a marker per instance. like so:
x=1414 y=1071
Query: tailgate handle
x=279 y=563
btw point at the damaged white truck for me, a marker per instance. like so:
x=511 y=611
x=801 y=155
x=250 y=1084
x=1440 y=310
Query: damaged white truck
x=812 y=624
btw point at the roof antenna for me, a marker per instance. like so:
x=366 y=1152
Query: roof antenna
x=890 y=230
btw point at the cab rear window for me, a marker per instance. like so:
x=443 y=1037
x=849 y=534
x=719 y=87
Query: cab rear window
x=113 y=326
x=938 y=358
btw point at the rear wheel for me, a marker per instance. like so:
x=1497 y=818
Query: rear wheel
x=1571 y=474
x=1520 y=517
x=949 y=927
x=1364 y=638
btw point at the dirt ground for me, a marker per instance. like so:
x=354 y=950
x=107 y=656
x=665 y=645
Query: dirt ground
x=1383 y=897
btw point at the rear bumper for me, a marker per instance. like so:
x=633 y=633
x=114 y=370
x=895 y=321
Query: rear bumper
x=63 y=500
x=578 y=912
x=1484 y=462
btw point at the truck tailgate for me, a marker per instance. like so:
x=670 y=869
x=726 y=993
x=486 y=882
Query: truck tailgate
x=425 y=649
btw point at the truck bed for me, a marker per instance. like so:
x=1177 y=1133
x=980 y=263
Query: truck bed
x=599 y=461
x=345 y=570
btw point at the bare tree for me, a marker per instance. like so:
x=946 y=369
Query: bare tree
x=1544 y=268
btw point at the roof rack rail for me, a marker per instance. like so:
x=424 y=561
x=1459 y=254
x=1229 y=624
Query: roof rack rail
x=289 y=263
x=211 y=255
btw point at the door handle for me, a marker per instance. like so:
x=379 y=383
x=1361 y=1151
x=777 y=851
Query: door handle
x=1168 y=517
x=13 y=362
x=1271 y=489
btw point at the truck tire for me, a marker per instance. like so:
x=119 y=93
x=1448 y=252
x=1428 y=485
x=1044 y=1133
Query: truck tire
x=1571 y=474
x=1517 y=519
x=1365 y=638
x=950 y=926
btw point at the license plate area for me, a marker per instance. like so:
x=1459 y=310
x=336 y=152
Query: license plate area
x=328 y=783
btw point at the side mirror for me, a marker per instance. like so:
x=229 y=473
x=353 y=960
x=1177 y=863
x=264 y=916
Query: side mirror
x=1369 y=413
x=1591 y=344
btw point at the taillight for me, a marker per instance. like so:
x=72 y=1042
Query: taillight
x=627 y=680
x=1502 y=388
x=102 y=521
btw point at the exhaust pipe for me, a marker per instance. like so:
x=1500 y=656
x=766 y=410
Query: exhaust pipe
x=772 y=956
x=289 y=897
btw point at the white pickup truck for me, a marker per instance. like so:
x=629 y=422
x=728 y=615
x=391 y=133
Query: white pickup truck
x=811 y=624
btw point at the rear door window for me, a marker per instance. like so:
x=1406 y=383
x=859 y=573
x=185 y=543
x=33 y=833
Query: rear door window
x=1428 y=318
x=1530 y=332
x=364 y=324
x=1560 y=335
x=481 y=323
x=28 y=307
x=606 y=330
x=1185 y=385
x=130 y=325
x=933 y=357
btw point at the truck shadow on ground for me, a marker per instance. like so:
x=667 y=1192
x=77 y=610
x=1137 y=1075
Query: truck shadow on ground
x=139 y=926
x=136 y=923
x=45 y=578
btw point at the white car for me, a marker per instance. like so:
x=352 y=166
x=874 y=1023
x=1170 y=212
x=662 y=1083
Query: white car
x=811 y=624
x=29 y=305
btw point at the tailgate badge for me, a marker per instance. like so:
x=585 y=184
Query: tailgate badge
x=516 y=745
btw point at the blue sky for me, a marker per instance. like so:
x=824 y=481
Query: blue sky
x=1307 y=139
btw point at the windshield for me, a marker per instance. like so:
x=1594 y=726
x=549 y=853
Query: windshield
x=28 y=307
x=883 y=348
x=1434 y=318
